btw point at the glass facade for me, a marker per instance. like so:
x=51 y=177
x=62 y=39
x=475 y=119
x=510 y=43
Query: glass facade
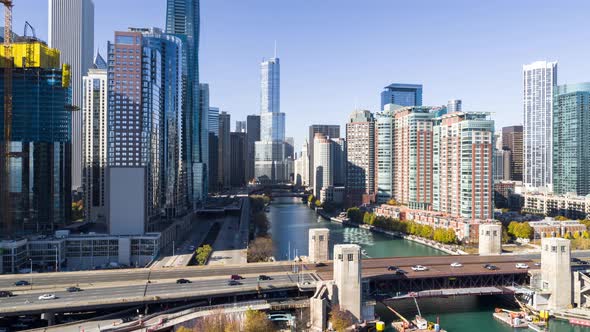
x=183 y=19
x=40 y=161
x=402 y=94
x=571 y=139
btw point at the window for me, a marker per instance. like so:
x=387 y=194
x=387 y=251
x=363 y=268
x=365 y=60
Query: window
x=562 y=248
x=339 y=256
x=350 y=257
x=553 y=248
x=321 y=238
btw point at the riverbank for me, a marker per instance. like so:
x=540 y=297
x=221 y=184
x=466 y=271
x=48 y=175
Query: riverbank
x=432 y=244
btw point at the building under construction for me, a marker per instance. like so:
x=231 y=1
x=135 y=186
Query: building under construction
x=36 y=187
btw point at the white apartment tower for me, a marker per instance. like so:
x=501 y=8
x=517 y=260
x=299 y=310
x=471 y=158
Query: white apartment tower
x=323 y=163
x=71 y=31
x=539 y=81
x=94 y=140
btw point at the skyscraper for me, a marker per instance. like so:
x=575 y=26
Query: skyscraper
x=238 y=150
x=385 y=125
x=323 y=176
x=270 y=163
x=240 y=126
x=539 y=81
x=332 y=131
x=94 y=139
x=339 y=161
x=402 y=94
x=252 y=136
x=71 y=31
x=224 y=150
x=462 y=172
x=571 y=139
x=183 y=19
x=39 y=197
x=360 y=153
x=512 y=141
x=213 y=119
x=454 y=105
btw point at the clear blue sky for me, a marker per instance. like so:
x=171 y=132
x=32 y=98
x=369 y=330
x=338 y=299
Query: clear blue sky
x=338 y=54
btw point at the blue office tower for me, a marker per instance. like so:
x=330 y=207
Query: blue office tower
x=402 y=94
x=182 y=19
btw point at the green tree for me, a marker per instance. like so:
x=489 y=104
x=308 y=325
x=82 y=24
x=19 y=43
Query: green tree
x=585 y=235
x=257 y=202
x=318 y=203
x=523 y=230
x=511 y=226
x=202 y=254
x=77 y=210
x=340 y=319
x=392 y=202
x=257 y=321
x=561 y=218
x=355 y=215
x=310 y=199
x=261 y=222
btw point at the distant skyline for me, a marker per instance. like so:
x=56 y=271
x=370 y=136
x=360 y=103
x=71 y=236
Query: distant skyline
x=338 y=55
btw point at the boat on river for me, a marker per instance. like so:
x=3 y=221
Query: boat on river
x=514 y=319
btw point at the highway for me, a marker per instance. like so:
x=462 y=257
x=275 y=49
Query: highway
x=52 y=280
x=95 y=297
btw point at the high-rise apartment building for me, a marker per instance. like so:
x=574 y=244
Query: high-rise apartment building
x=323 y=176
x=213 y=119
x=512 y=139
x=539 y=81
x=36 y=196
x=571 y=139
x=213 y=161
x=384 y=133
x=301 y=167
x=71 y=31
x=454 y=105
x=331 y=131
x=252 y=136
x=183 y=20
x=94 y=141
x=224 y=150
x=144 y=130
x=461 y=166
x=402 y=94
x=360 y=154
x=339 y=161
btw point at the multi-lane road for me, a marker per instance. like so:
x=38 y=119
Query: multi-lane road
x=28 y=302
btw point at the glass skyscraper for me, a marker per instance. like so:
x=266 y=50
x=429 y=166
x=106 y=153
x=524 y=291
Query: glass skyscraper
x=39 y=182
x=402 y=94
x=539 y=81
x=571 y=139
x=182 y=19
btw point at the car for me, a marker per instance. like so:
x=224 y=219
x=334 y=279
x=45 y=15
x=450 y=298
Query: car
x=22 y=283
x=392 y=268
x=400 y=272
x=491 y=267
x=419 y=268
x=320 y=264
x=264 y=277
x=575 y=260
x=47 y=297
x=73 y=289
x=233 y=283
x=456 y=264
x=6 y=294
x=521 y=266
x=236 y=277
x=538 y=264
x=183 y=281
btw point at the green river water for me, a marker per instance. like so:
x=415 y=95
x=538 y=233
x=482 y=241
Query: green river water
x=290 y=221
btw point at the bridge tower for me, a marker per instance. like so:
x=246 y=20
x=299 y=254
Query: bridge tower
x=347 y=277
x=556 y=272
x=318 y=245
x=490 y=239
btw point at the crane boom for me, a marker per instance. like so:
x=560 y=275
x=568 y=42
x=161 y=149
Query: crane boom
x=6 y=213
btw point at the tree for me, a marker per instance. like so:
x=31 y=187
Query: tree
x=260 y=250
x=561 y=218
x=355 y=215
x=585 y=235
x=262 y=224
x=392 y=202
x=257 y=321
x=217 y=322
x=258 y=202
x=586 y=223
x=318 y=203
x=310 y=199
x=77 y=210
x=203 y=253
x=523 y=230
x=340 y=319
x=505 y=236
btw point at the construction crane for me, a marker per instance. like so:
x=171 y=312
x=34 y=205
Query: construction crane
x=6 y=212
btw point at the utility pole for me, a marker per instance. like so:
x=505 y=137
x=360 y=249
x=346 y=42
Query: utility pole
x=56 y=260
x=31 y=260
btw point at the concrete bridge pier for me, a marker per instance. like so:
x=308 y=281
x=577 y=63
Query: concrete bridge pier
x=347 y=278
x=318 y=245
x=49 y=317
x=490 y=239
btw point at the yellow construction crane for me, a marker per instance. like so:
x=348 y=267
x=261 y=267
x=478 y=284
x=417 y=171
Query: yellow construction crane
x=9 y=62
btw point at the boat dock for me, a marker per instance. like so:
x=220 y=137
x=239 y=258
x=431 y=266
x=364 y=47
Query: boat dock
x=512 y=319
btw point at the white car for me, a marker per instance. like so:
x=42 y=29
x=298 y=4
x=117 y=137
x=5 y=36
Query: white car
x=47 y=297
x=456 y=264
x=521 y=266
x=419 y=268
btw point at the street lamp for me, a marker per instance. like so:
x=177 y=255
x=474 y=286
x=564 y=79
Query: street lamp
x=172 y=247
x=56 y=261
x=31 y=272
